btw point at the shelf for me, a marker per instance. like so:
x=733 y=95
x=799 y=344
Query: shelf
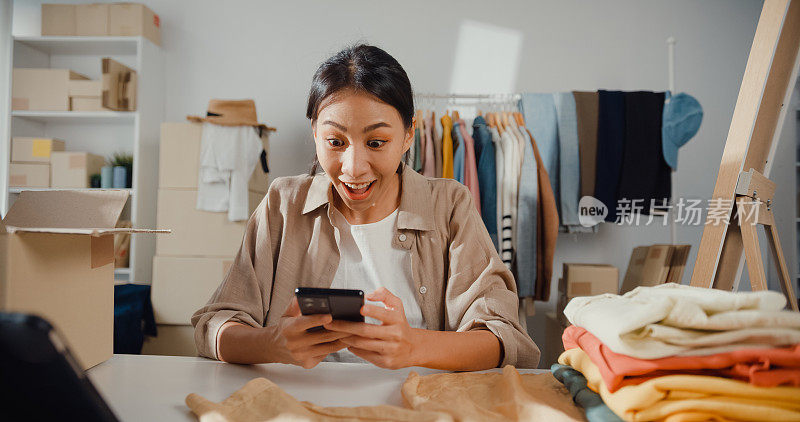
x=83 y=46
x=122 y=275
x=18 y=190
x=77 y=117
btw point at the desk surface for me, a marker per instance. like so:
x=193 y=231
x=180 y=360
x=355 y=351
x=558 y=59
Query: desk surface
x=141 y=387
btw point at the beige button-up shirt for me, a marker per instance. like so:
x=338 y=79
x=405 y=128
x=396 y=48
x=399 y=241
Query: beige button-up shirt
x=461 y=283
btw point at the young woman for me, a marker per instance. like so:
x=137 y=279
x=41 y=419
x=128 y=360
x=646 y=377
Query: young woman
x=417 y=244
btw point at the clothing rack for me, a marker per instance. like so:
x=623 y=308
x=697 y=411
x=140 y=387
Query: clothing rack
x=496 y=97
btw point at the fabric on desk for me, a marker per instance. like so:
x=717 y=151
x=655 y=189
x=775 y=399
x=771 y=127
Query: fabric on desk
x=506 y=396
x=569 y=158
x=492 y=396
x=596 y=410
x=763 y=367
x=610 y=147
x=645 y=175
x=689 y=397
x=673 y=319
x=487 y=175
x=228 y=156
x=290 y=239
x=586 y=108
x=547 y=231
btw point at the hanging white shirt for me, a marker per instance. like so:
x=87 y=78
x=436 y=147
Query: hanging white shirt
x=228 y=156
x=367 y=261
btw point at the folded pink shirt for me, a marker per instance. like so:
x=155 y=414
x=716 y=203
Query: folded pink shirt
x=766 y=367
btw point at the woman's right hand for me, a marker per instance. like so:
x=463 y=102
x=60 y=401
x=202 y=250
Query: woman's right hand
x=294 y=345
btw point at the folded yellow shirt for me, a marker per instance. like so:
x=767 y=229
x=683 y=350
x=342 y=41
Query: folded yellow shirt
x=689 y=397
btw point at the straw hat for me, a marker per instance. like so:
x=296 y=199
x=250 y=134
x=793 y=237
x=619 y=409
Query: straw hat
x=231 y=113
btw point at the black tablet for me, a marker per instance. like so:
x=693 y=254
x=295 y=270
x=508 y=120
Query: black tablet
x=40 y=379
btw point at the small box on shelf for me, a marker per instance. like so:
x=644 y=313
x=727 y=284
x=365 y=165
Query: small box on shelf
x=34 y=150
x=42 y=89
x=70 y=169
x=86 y=104
x=29 y=175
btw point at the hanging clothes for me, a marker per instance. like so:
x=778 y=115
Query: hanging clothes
x=527 y=221
x=429 y=164
x=415 y=151
x=487 y=175
x=610 y=147
x=645 y=175
x=586 y=108
x=547 y=232
x=540 y=118
x=569 y=158
x=423 y=141
x=470 y=165
x=447 y=147
x=500 y=167
x=437 y=145
x=459 y=154
x=510 y=179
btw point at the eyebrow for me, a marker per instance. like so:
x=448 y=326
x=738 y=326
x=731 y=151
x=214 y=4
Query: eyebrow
x=366 y=129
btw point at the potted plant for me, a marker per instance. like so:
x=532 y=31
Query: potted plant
x=123 y=159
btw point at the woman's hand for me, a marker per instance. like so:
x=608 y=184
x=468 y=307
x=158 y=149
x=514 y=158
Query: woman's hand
x=392 y=344
x=293 y=344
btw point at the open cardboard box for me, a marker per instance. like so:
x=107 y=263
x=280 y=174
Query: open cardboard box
x=57 y=261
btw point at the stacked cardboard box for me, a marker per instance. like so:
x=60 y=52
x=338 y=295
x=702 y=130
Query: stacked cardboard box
x=119 y=19
x=57 y=261
x=42 y=89
x=584 y=280
x=655 y=264
x=191 y=263
x=30 y=161
x=86 y=95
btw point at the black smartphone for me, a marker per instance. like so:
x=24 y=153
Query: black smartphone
x=343 y=304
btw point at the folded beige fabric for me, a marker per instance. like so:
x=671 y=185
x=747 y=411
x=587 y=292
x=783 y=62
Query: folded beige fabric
x=439 y=397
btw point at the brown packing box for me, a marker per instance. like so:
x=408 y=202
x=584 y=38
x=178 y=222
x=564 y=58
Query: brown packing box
x=181 y=285
x=34 y=150
x=680 y=255
x=589 y=279
x=85 y=88
x=197 y=233
x=633 y=275
x=91 y=19
x=73 y=169
x=127 y=19
x=57 y=261
x=59 y=19
x=649 y=266
x=119 y=86
x=42 y=89
x=29 y=175
x=179 y=158
x=86 y=104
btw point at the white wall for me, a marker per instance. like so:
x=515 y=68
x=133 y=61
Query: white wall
x=269 y=51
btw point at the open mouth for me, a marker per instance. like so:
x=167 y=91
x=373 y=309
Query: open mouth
x=358 y=191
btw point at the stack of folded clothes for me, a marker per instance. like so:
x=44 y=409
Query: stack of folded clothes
x=682 y=353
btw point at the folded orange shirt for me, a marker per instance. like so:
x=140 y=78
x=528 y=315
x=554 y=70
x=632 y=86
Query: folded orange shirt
x=767 y=367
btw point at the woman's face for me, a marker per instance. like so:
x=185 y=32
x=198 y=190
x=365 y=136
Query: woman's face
x=360 y=142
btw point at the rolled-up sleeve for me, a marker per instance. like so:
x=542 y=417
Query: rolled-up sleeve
x=481 y=292
x=244 y=294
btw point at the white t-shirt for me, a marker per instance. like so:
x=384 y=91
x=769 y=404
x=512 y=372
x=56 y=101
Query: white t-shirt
x=367 y=261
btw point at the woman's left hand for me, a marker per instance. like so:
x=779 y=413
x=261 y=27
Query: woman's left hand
x=392 y=344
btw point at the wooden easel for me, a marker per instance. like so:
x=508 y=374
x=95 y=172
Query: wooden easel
x=749 y=149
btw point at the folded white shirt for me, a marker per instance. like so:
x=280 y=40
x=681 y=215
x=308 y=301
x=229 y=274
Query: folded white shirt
x=672 y=319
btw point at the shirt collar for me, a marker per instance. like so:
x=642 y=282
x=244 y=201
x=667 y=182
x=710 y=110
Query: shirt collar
x=416 y=204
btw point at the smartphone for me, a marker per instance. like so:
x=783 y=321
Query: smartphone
x=343 y=304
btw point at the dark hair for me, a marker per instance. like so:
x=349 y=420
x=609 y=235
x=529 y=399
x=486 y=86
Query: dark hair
x=367 y=69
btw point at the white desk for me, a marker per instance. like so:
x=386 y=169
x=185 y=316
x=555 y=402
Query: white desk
x=150 y=388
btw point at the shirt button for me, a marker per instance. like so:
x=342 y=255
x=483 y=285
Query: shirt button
x=423 y=289
x=402 y=237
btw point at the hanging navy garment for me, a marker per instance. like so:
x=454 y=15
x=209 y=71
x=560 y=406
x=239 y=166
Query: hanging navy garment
x=487 y=176
x=610 y=147
x=645 y=174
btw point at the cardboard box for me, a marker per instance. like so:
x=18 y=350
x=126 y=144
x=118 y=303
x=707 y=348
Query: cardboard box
x=182 y=285
x=179 y=160
x=589 y=280
x=34 y=150
x=57 y=261
x=29 y=175
x=680 y=255
x=648 y=266
x=119 y=86
x=59 y=19
x=172 y=340
x=85 y=88
x=86 y=104
x=42 y=89
x=128 y=19
x=73 y=169
x=91 y=19
x=197 y=233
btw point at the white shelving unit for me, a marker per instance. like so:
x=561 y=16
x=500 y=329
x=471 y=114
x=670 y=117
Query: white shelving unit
x=101 y=133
